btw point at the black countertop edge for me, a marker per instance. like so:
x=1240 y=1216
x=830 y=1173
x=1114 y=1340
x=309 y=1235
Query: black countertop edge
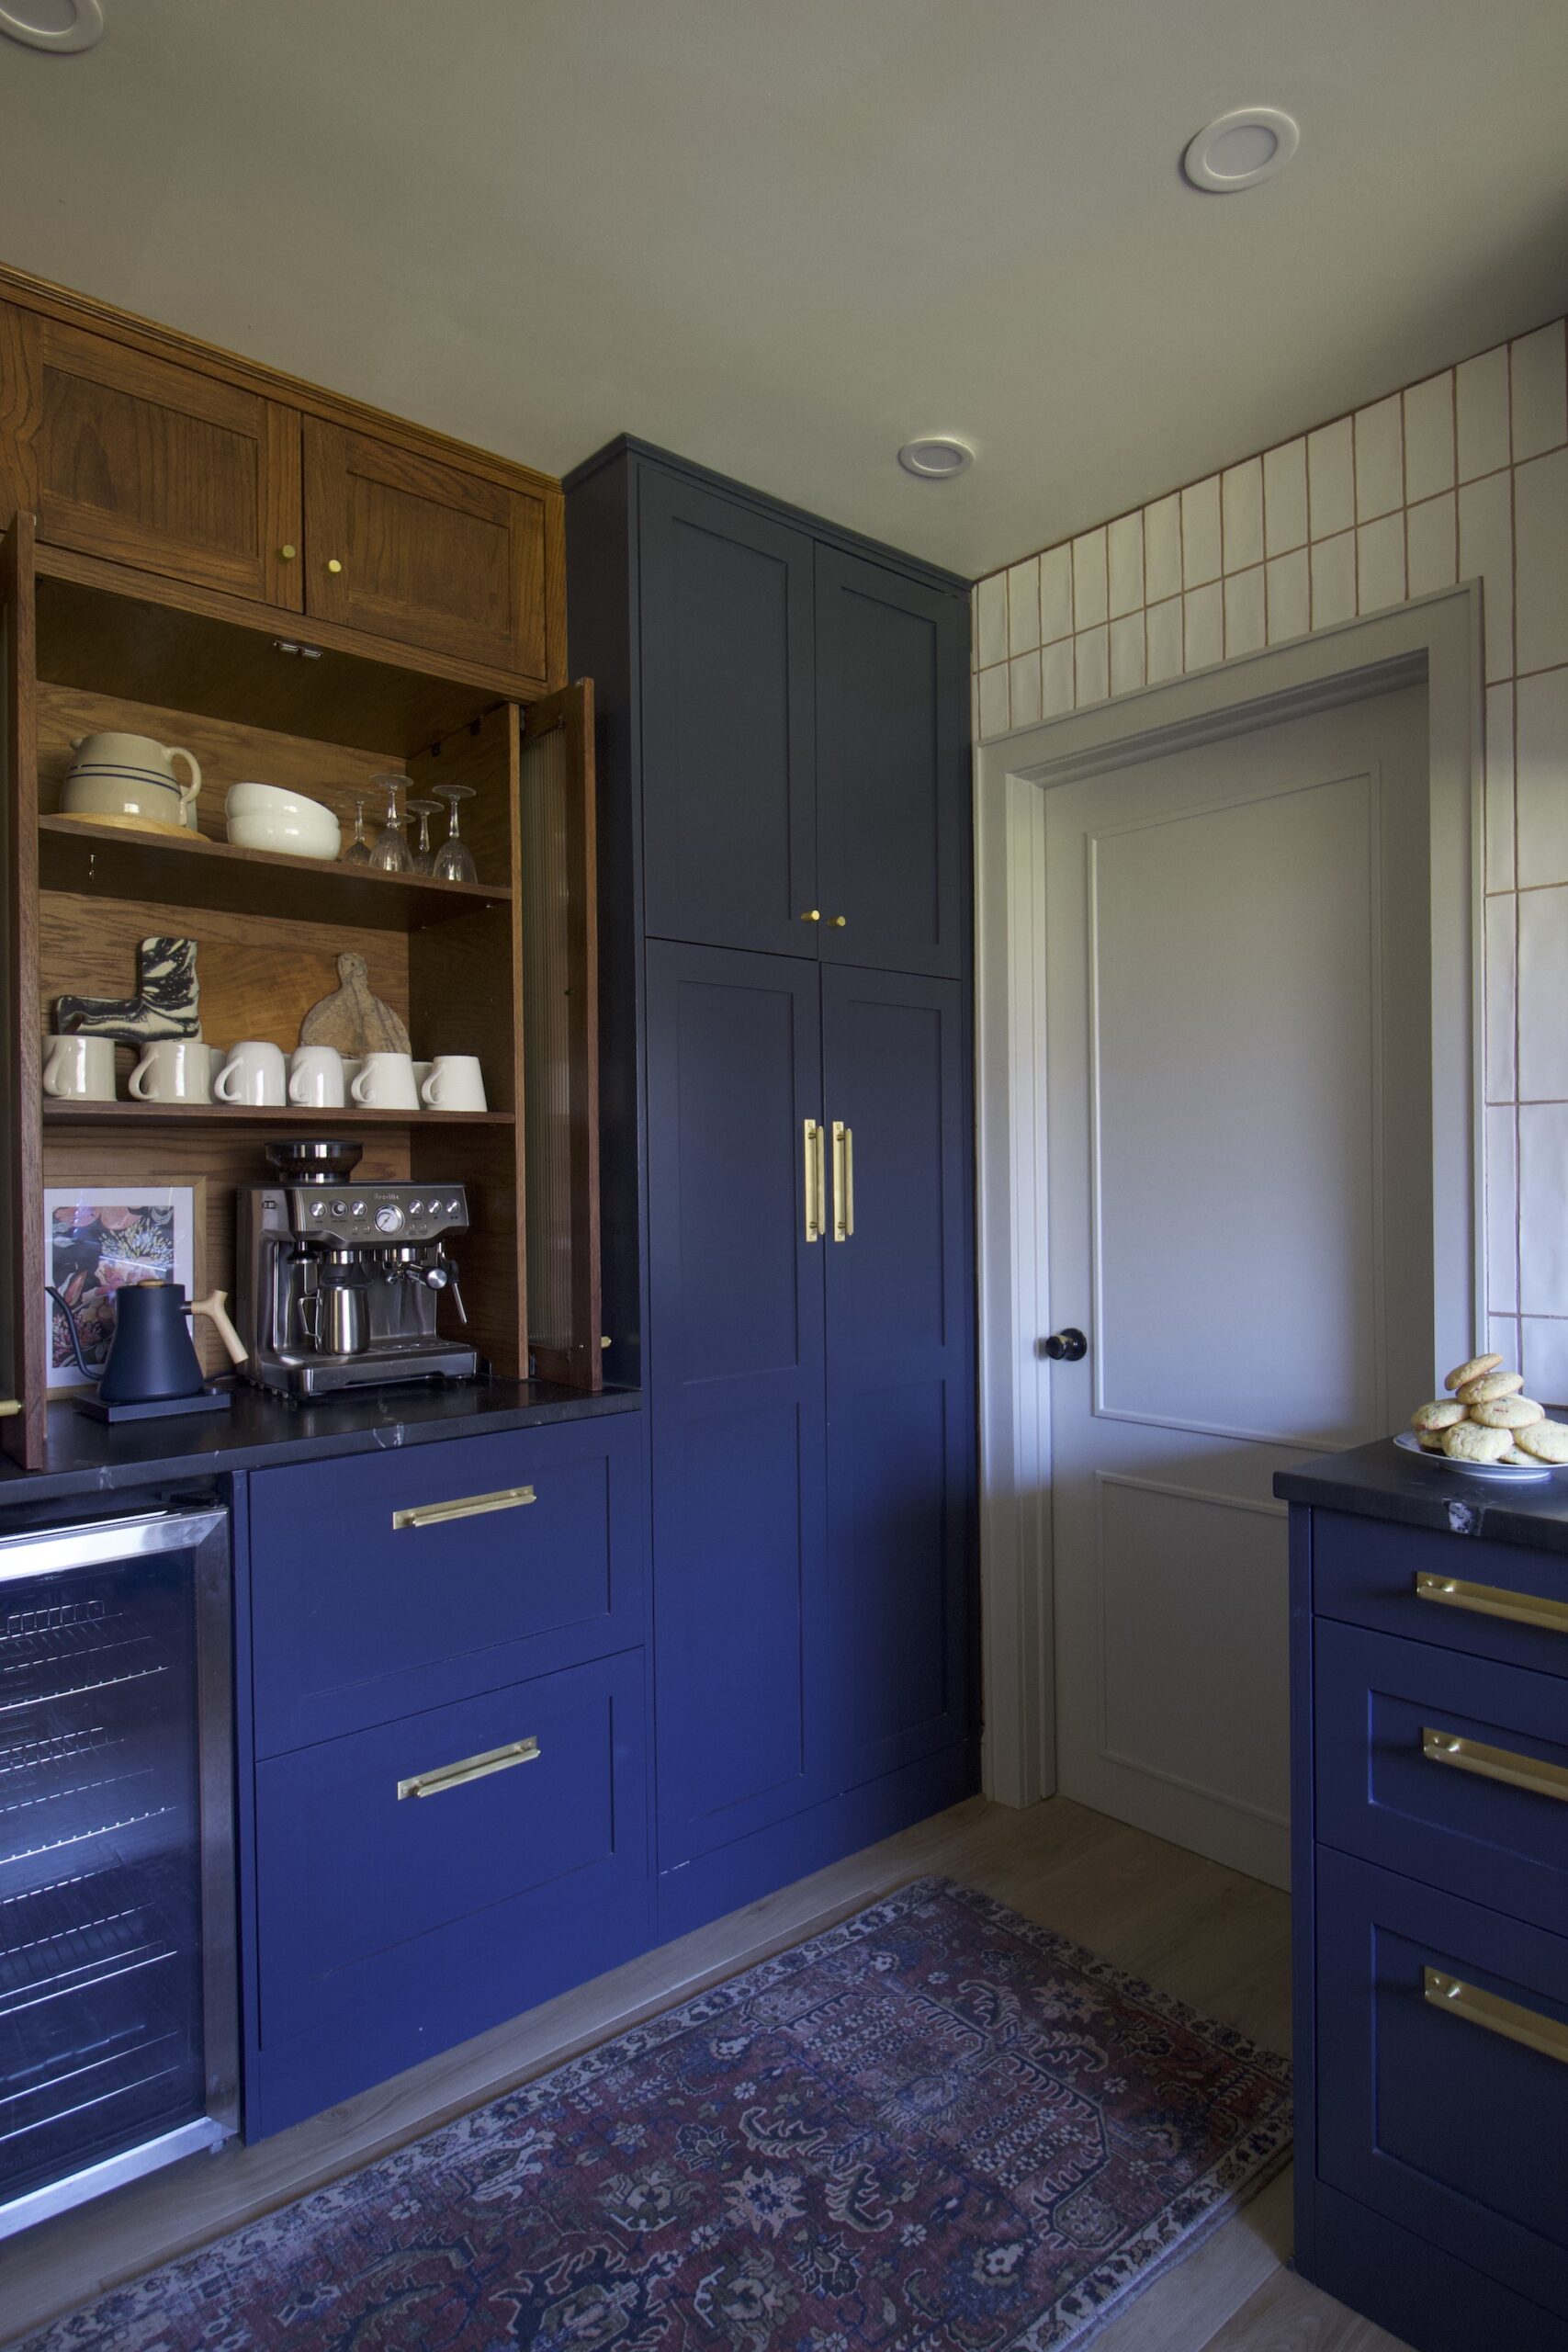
x=1381 y=1482
x=264 y=1433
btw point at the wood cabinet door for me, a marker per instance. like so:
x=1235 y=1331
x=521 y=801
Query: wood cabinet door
x=148 y=463
x=900 y=1366
x=892 y=768
x=729 y=825
x=409 y=548
x=742 y=1628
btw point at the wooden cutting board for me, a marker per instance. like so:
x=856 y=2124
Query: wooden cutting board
x=352 y=1019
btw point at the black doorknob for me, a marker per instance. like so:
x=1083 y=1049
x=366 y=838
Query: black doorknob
x=1067 y=1347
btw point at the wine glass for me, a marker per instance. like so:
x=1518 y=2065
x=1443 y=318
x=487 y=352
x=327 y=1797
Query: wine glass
x=389 y=853
x=454 y=859
x=358 y=851
x=424 y=856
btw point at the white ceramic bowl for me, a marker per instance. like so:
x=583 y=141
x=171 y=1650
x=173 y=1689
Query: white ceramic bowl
x=263 y=815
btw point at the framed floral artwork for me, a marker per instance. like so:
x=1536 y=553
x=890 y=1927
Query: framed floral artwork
x=97 y=1239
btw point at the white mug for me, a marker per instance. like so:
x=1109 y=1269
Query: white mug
x=174 y=1069
x=253 y=1075
x=385 y=1082
x=456 y=1083
x=81 y=1068
x=315 y=1077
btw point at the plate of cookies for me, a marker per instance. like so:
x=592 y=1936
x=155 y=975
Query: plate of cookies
x=1486 y=1426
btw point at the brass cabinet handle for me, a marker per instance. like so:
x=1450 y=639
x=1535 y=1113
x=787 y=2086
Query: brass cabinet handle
x=1494 y=1763
x=466 y=1506
x=333 y=564
x=472 y=1768
x=812 y=914
x=286 y=552
x=1510 y=2019
x=10 y=1405
x=844 y=1181
x=1493 y=1600
x=816 y=1202
x=838 y=922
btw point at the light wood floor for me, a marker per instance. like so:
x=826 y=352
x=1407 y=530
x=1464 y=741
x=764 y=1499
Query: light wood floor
x=1213 y=1939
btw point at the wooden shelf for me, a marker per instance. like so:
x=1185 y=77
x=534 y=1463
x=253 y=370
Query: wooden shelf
x=244 y=1119
x=78 y=856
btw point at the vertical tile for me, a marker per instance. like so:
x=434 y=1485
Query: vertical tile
x=1202 y=627
x=1289 y=596
x=1502 y=1212
x=1500 y=981
x=1540 y=522
x=1486 y=553
x=1089 y=579
x=1543 y=1190
x=991 y=620
x=1124 y=554
x=1481 y=406
x=1431 y=538
x=974 y=708
x=1127 y=653
x=1245 y=627
x=1429 y=436
x=1543 y=1359
x=1540 y=392
x=1023 y=606
x=1024 y=684
x=1380 y=459
x=1380 y=564
x=1331 y=480
x=1543 y=992
x=1162 y=548
x=1503 y=1338
x=1055 y=593
x=1241 y=515
x=1201 y=533
x=1162 y=628
x=1499 y=793
x=1091 y=670
x=1542 y=780
x=1056 y=678
x=993 y=701
x=1332 y=580
x=1285 y=498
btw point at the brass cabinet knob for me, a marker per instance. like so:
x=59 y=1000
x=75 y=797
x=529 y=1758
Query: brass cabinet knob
x=333 y=564
x=287 y=554
x=838 y=922
x=812 y=914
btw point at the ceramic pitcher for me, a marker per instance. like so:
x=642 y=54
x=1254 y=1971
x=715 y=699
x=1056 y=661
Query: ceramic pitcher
x=131 y=775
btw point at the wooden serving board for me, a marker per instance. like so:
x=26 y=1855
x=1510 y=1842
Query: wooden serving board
x=352 y=1019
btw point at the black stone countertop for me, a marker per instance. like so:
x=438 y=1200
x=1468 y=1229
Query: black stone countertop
x=1381 y=1482
x=89 y=1458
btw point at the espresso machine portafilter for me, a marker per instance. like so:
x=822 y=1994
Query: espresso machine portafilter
x=339 y=1282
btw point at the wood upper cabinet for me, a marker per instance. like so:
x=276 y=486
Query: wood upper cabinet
x=149 y=463
x=422 y=552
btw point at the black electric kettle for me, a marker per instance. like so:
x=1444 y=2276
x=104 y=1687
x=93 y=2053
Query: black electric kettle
x=152 y=1358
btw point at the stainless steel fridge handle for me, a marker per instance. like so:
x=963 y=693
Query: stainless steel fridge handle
x=51 y=1551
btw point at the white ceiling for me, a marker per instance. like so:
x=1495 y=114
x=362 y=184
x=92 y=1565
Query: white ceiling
x=783 y=236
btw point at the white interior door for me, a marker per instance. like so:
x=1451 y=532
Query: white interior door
x=1239 y=1124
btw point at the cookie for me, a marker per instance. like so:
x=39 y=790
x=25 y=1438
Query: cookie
x=1520 y=1460
x=1507 y=1412
x=1545 y=1441
x=1468 y=1442
x=1489 y=1385
x=1441 y=1414
x=1471 y=1371
x=1429 y=1441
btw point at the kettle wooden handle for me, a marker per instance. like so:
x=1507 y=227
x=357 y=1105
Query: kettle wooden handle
x=212 y=1307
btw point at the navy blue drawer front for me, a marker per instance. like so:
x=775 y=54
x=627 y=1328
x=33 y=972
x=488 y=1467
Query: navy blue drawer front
x=1495 y=1600
x=396 y=1919
x=1428 y=2111
x=358 y=1619
x=1451 y=1770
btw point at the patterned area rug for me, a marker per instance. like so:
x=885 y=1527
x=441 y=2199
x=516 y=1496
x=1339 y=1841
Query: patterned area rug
x=935 y=2128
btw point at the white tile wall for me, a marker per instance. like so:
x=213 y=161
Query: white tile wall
x=1462 y=476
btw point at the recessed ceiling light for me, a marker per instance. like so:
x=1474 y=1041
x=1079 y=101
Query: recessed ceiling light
x=58 y=24
x=937 y=458
x=1238 y=149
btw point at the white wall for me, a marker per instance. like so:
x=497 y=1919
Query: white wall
x=1462 y=476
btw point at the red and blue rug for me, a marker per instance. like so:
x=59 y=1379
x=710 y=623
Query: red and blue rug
x=935 y=2128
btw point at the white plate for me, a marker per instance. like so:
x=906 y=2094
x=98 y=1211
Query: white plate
x=1502 y=1474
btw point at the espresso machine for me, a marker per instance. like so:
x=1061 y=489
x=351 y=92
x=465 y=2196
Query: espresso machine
x=339 y=1282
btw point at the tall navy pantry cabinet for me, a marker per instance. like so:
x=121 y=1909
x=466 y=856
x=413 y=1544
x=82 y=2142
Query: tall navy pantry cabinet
x=785 y=832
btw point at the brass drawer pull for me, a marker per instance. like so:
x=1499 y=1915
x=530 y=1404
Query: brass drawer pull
x=1493 y=1600
x=1494 y=1763
x=1509 y=2018
x=466 y=1506
x=472 y=1767
x=844 y=1181
x=815 y=1181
